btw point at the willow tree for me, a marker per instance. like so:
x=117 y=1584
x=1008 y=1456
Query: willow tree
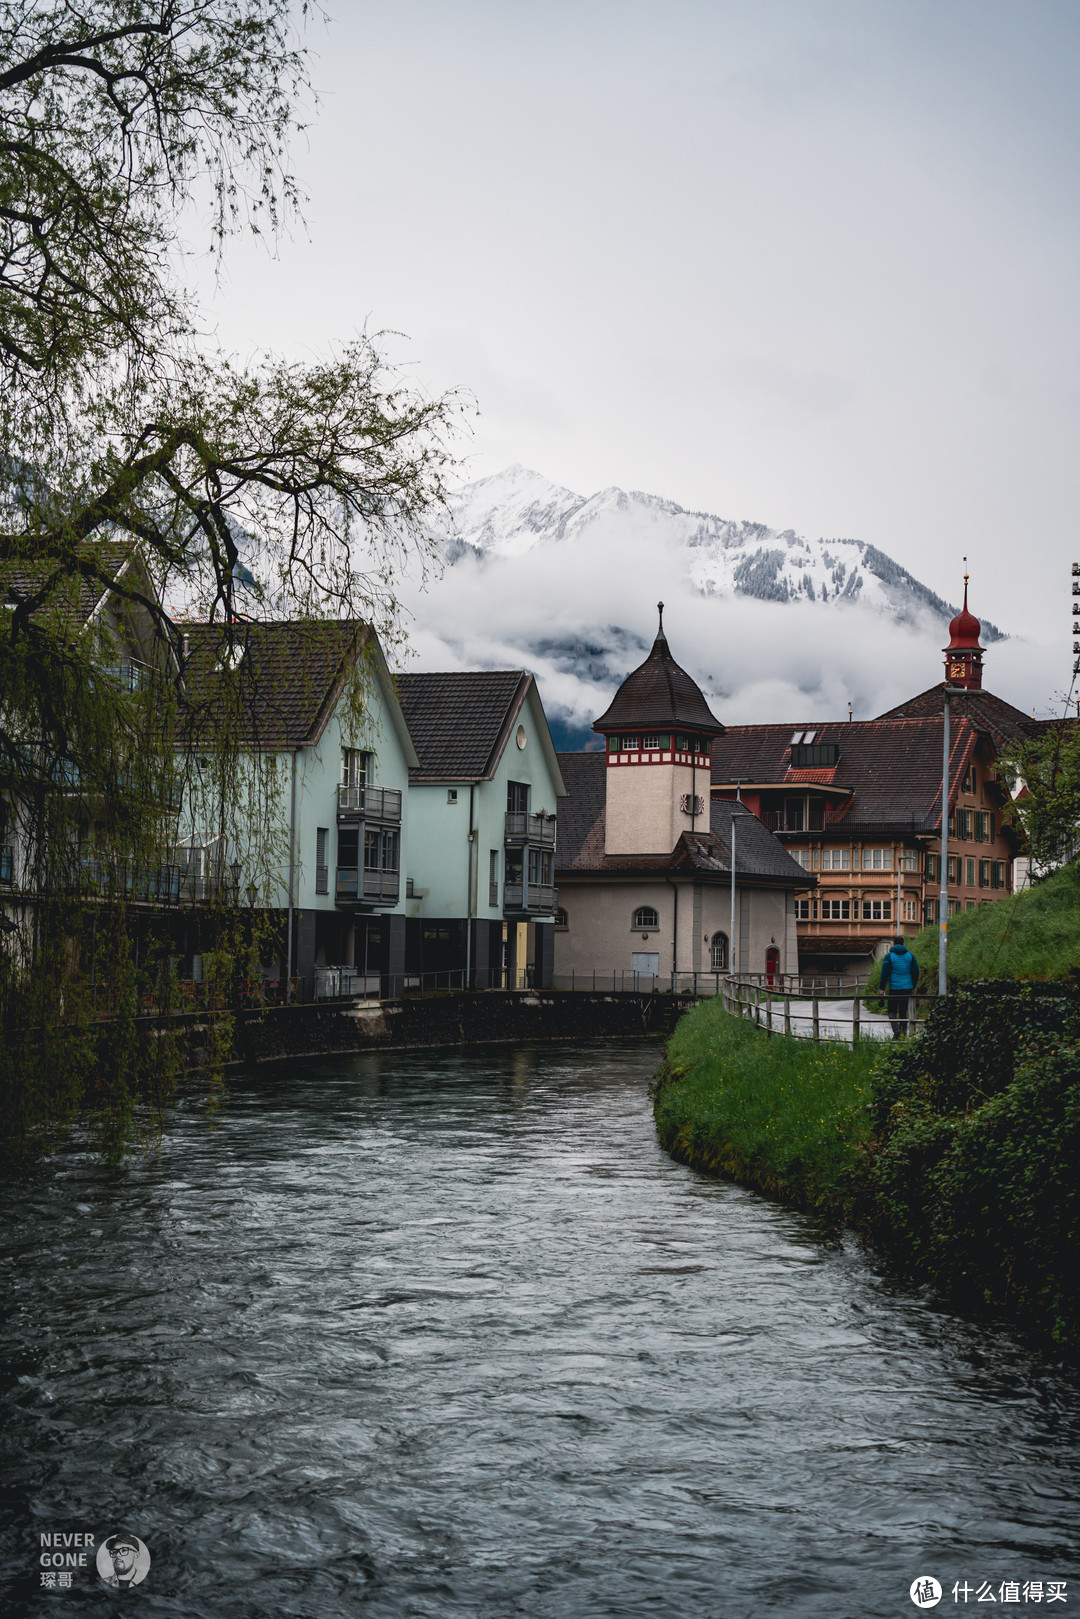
x=263 y=489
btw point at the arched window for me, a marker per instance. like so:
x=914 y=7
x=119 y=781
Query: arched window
x=719 y=953
x=646 y=917
x=562 y=921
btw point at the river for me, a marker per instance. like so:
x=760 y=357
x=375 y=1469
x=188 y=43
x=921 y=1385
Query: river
x=447 y=1334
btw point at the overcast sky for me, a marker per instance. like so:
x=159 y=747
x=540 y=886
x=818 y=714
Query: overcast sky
x=809 y=263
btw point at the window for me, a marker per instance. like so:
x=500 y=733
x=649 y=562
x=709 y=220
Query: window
x=984 y=873
x=876 y=859
x=540 y=865
x=969 y=872
x=793 y=814
x=802 y=910
x=954 y=868
x=984 y=827
x=322 y=874
x=718 y=950
x=380 y=849
x=451 y=795
x=930 y=911
x=933 y=868
x=802 y=857
x=646 y=917
x=820 y=756
x=970 y=781
x=835 y=910
x=997 y=874
x=815 y=814
x=562 y=921
x=877 y=910
x=798 y=737
x=909 y=860
x=836 y=859
x=354 y=767
x=970 y=905
x=655 y=742
x=910 y=910
x=962 y=819
x=493 y=877
x=954 y=906
x=517 y=798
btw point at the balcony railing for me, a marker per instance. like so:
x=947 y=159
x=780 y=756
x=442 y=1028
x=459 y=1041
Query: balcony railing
x=778 y=821
x=130 y=675
x=355 y=884
x=521 y=827
x=535 y=898
x=373 y=803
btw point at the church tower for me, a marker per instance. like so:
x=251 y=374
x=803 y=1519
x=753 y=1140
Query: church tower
x=964 y=655
x=658 y=733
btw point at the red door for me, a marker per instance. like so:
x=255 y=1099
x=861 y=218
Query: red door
x=772 y=964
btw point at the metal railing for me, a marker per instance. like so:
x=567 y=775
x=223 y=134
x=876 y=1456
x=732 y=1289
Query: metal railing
x=813 y=1008
x=373 y=803
x=530 y=897
x=355 y=883
x=523 y=827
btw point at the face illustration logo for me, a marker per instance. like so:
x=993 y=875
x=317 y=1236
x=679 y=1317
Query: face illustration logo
x=122 y=1561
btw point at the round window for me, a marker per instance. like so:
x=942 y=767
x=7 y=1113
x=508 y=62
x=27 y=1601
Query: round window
x=521 y=737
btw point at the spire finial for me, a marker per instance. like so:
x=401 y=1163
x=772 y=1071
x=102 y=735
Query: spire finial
x=965 y=582
x=660 y=636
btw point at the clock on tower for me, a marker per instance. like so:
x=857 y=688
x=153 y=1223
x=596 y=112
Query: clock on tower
x=963 y=655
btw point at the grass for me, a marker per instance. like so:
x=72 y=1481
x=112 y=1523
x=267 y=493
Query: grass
x=785 y=1116
x=1034 y=934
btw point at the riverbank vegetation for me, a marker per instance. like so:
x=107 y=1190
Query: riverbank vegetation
x=958 y=1154
x=1032 y=935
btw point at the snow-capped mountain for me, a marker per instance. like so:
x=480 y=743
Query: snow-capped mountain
x=772 y=625
x=516 y=511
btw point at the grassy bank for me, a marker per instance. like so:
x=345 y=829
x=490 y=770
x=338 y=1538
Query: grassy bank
x=958 y=1153
x=1033 y=935
x=784 y=1116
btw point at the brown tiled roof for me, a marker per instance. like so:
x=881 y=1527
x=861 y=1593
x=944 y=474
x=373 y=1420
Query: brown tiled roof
x=992 y=714
x=289 y=675
x=460 y=721
x=659 y=695
x=76 y=597
x=580 y=847
x=892 y=767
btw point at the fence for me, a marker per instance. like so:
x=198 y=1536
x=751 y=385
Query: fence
x=809 y=1008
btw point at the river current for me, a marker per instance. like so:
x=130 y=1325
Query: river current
x=447 y=1334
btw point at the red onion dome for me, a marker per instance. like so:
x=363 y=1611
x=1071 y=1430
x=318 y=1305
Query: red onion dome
x=964 y=629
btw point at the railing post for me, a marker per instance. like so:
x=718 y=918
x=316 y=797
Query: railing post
x=855 y=1019
x=787 y=1014
x=768 y=1015
x=817 y=1030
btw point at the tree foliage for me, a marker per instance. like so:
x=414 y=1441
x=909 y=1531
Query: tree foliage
x=1046 y=768
x=245 y=490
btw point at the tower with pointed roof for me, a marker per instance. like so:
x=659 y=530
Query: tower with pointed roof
x=964 y=655
x=658 y=734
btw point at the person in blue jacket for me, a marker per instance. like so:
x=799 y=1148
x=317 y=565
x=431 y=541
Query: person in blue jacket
x=899 y=975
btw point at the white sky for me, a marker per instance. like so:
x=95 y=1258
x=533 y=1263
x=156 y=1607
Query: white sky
x=809 y=262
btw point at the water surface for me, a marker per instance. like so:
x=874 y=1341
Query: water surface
x=448 y=1334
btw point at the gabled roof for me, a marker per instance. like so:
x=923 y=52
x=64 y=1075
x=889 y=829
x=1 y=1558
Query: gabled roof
x=461 y=721
x=891 y=768
x=579 y=849
x=999 y=719
x=659 y=695
x=77 y=597
x=289 y=676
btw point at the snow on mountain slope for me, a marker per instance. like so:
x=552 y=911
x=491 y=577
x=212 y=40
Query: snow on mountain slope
x=772 y=625
x=514 y=512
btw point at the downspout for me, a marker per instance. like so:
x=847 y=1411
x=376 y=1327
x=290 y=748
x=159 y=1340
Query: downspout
x=731 y=946
x=674 y=930
x=470 y=901
x=292 y=875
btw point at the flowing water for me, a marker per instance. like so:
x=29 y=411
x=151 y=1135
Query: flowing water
x=447 y=1334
